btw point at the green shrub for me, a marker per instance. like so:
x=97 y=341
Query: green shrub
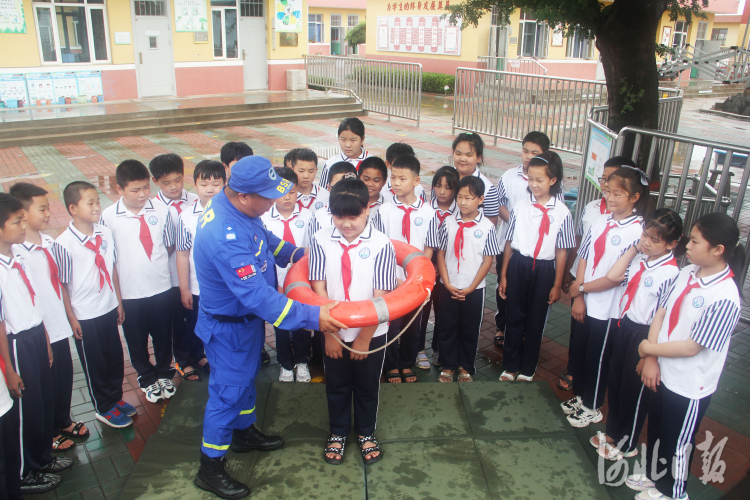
x=436 y=82
x=431 y=82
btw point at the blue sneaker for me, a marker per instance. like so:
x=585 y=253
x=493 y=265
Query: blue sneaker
x=126 y=408
x=115 y=418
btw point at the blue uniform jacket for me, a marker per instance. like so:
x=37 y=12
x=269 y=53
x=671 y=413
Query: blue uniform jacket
x=234 y=263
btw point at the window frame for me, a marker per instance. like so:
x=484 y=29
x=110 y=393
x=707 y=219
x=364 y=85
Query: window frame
x=88 y=6
x=574 y=40
x=318 y=21
x=720 y=31
x=223 y=10
x=540 y=29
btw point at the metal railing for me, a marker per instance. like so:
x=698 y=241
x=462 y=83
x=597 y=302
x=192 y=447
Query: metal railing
x=670 y=107
x=507 y=105
x=526 y=65
x=387 y=87
x=727 y=65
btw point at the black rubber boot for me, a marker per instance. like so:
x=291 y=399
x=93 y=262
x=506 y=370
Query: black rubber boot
x=213 y=477
x=251 y=439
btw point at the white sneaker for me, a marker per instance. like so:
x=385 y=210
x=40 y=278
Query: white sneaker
x=582 y=418
x=167 y=388
x=286 y=375
x=302 y=372
x=153 y=393
x=639 y=482
x=571 y=406
x=653 y=493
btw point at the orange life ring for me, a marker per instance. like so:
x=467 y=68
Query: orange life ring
x=420 y=277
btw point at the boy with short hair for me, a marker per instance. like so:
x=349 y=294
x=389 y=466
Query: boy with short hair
x=168 y=173
x=289 y=222
x=37 y=250
x=374 y=173
x=511 y=189
x=210 y=178
x=144 y=235
x=232 y=152
x=354 y=261
x=322 y=218
x=407 y=218
x=289 y=156
x=27 y=351
x=395 y=150
x=304 y=163
x=91 y=291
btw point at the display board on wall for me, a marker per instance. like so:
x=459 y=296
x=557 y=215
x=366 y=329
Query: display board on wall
x=12 y=18
x=598 y=152
x=190 y=15
x=41 y=89
x=288 y=18
x=419 y=34
x=90 y=85
x=66 y=87
x=13 y=91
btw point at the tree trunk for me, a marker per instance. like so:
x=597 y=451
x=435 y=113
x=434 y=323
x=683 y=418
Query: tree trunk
x=626 y=42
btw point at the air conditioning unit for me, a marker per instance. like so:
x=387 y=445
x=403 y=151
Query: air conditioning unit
x=296 y=79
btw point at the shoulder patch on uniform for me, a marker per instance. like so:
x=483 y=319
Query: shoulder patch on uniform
x=246 y=272
x=229 y=232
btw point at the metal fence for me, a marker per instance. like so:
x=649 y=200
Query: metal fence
x=525 y=65
x=507 y=105
x=387 y=87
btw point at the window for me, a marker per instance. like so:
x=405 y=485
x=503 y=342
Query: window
x=335 y=20
x=719 y=34
x=534 y=37
x=679 y=39
x=315 y=31
x=580 y=47
x=72 y=31
x=251 y=8
x=224 y=23
x=702 y=29
x=352 y=21
x=494 y=16
x=149 y=7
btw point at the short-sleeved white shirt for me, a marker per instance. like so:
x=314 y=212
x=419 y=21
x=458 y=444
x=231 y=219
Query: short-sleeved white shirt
x=299 y=222
x=388 y=193
x=653 y=284
x=186 y=236
x=375 y=206
x=590 y=213
x=51 y=305
x=373 y=263
x=6 y=403
x=491 y=205
x=77 y=266
x=176 y=207
x=479 y=241
x=324 y=180
x=317 y=199
x=523 y=228
x=320 y=219
x=625 y=233
x=16 y=306
x=141 y=277
x=708 y=315
x=442 y=214
x=390 y=216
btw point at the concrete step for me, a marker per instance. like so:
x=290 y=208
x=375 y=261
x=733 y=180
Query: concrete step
x=83 y=125
x=150 y=127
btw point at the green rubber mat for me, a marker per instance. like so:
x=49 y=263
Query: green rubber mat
x=484 y=440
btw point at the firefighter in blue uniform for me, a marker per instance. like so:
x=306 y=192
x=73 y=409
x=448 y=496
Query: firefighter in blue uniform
x=234 y=262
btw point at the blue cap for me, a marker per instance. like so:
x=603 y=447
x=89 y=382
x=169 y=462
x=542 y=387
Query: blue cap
x=255 y=174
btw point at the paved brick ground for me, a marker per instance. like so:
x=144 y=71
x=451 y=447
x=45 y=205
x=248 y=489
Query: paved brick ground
x=106 y=458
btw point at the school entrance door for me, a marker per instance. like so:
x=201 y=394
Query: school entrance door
x=253 y=48
x=153 y=49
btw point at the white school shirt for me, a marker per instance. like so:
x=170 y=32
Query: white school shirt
x=491 y=205
x=625 y=233
x=337 y=158
x=708 y=315
x=53 y=309
x=141 y=277
x=453 y=209
x=479 y=241
x=16 y=308
x=184 y=203
x=512 y=188
x=375 y=205
x=654 y=282
x=6 y=403
x=300 y=221
x=186 y=237
x=77 y=265
x=523 y=228
x=388 y=193
x=320 y=219
x=317 y=199
x=591 y=212
x=373 y=268
x=390 y=216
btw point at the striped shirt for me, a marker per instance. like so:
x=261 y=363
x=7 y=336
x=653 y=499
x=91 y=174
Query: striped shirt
x=655 y=280
x=186 y=236
x=186 y=201
x=373 y=264
x=491 y=205
x=708 y=315
x=324 y=180
x=525 y=215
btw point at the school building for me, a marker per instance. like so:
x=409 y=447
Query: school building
x=328 y=22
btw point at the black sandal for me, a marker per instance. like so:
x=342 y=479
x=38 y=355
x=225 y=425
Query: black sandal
x=75 y=432
x=63 y=439
x=567 y=379
x=408 y=373
x=337 y=451
x=392 y=377
x=371 y=449
x=191 y=373
x=499 y=341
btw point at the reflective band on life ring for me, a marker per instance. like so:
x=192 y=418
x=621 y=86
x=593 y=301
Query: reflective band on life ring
x=395 y=304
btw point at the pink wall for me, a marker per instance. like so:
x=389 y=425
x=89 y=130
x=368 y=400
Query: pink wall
x=584 y=70
x=447 y=66
x=209 y=80
x=277 y=75
x=119 y=84
x=323 y=49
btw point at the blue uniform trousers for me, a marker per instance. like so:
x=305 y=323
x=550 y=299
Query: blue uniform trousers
x=234 y=354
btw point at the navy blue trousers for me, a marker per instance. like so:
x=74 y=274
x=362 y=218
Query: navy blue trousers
x=628 y=398
x=402 y=354
x=62 y=385
x=434 y=303
x=592 y=350
x=188 y=348
x=501 y=313
x=10 y=456
x=458 y=329
x=528 y=287
x=292 y=348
